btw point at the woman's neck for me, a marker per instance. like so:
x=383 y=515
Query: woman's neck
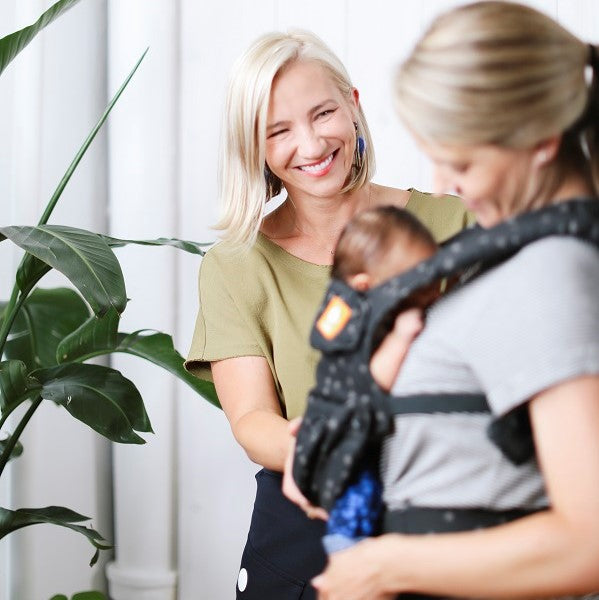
x=326 y=217
x=309 y=226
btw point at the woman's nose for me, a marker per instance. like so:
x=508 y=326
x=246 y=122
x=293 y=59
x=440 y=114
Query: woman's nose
x=311 y=145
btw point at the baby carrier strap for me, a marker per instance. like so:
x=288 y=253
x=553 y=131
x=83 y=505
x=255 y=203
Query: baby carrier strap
x=347 y=413
x=476 y=249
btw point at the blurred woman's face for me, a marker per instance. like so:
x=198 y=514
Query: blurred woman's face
x=310 y=135
x=491 y=180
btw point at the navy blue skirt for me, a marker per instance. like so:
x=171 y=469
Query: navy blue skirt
x=283 y=551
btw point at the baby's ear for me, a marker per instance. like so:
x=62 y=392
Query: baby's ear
x=360 y=281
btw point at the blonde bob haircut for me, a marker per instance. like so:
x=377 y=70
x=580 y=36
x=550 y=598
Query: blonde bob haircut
x=244 y=190
x=504 y=74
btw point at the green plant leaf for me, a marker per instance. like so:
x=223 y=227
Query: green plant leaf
x=46 y=318
x=150 y=345
x=16 y=451
x=188 y=246
x=11 y=520
x=158 y=348
x=98 y=396
x=96 y=332
x=91 y=595
x=16 y=385
x=84 y=257
x=30 y=271
x=12 y=44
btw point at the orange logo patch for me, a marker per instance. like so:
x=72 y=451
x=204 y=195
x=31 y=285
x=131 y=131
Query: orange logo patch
x=333 y=319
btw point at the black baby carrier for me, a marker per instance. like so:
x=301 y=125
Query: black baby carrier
x=348 y=414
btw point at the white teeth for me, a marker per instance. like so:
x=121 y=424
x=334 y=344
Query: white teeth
x=319 y=167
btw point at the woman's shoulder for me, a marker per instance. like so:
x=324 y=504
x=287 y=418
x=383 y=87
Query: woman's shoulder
x=443 y=214
x=384 y=195
x=226 y=262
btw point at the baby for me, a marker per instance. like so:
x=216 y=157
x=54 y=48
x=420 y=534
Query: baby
x=375 y=245
x=378 y=244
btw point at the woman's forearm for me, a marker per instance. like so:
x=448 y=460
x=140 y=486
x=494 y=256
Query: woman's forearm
x=246 y=391
x=265 y=438
x=538 y=556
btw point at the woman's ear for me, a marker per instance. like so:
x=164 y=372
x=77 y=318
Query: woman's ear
x=355 y=95
x=546 y=150
x=360 y=281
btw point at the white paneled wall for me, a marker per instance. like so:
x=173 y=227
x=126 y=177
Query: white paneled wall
x=182 y=502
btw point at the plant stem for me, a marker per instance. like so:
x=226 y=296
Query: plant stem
x=14 y=437
x=65 y=179
x=11 y=311
x=8 y=321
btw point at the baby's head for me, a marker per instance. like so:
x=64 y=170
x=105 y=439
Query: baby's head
x=380 y=243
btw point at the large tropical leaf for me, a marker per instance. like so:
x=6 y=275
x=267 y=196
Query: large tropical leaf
x=30 y=271
x=46 y=317
x=84 y=257
x=188 y=246
x=11 y=520
x=96 y=332
x=158 y=348
x=91 y=595
x=12 y=44
x=16 y=385
x=154 y=346
x=98 y=396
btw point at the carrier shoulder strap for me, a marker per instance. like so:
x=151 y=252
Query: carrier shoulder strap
x=473 y=250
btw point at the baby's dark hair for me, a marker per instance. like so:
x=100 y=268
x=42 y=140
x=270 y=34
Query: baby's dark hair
x=370 y=235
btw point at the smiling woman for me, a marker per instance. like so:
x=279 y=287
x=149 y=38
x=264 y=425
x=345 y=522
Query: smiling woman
x=293 y=121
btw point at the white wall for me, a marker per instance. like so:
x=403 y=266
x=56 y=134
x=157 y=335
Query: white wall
x=191 y=479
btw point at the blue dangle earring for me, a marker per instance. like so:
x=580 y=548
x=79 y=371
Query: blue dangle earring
x=360 y=149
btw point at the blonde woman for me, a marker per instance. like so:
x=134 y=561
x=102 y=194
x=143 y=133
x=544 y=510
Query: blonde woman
x=505 y=102
x=293 y=123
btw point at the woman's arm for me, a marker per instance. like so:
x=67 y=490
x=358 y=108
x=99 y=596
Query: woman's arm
x=246 y=391
x=552 y=553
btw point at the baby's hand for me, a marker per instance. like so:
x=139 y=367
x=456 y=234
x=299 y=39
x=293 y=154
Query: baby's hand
x=408 y=324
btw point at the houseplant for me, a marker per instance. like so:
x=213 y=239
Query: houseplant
x=47 y=335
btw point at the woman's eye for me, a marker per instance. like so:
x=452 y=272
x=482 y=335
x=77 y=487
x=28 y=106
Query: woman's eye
x=326 y=113
x=460 y=167
x=276 y=133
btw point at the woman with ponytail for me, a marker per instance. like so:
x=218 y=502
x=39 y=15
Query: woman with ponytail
x=505 y=102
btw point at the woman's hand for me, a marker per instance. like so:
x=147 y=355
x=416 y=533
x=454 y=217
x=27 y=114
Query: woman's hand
x=290 y=489
x=357 y=573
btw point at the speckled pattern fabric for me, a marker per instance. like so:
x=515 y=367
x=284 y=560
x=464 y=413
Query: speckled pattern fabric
x=348 y=414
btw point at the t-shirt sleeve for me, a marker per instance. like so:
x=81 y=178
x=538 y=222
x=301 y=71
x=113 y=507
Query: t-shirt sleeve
x=443 y=215
x=541 y=326
x=221 y=329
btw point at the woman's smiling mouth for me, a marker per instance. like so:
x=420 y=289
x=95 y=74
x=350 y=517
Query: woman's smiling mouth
x=321 y=168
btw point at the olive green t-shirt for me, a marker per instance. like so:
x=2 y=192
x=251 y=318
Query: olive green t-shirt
x=263 y=303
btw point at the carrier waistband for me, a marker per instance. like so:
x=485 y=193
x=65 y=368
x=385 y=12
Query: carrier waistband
x=438 y=403
x=422 y=520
